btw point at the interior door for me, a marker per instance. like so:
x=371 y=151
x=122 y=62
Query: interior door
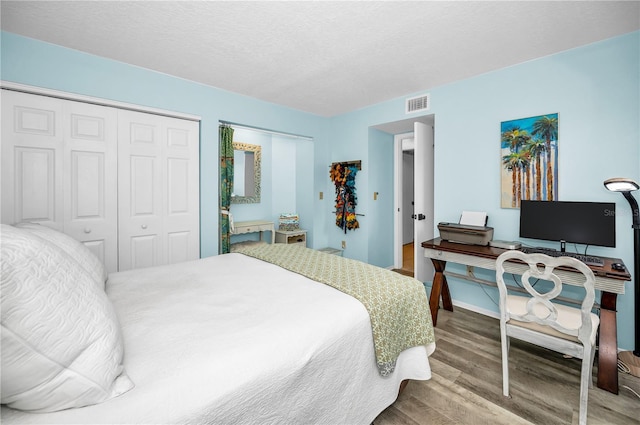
x=423 y=198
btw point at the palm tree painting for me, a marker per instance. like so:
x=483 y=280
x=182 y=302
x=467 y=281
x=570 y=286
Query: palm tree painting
x=529 y=160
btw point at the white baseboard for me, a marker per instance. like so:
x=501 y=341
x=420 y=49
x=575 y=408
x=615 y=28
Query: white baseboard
x=476 y=309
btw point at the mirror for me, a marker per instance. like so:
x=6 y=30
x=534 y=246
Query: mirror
x=246 y=173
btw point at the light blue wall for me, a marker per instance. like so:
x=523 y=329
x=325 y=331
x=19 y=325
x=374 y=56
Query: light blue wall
x=306 y=200
x=380 y=251
x=594 y=89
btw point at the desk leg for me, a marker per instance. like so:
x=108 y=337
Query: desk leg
x=439 y=289
x=608 y=344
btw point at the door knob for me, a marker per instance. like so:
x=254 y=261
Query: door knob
x=418 y=216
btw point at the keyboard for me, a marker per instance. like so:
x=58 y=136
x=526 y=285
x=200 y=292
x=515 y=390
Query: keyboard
x=589 y=260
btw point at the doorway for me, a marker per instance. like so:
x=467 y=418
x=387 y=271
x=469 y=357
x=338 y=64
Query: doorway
x=407 y=204
x=413 y=212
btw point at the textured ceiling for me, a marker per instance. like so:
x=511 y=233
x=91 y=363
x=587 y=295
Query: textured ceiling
x=322 y=57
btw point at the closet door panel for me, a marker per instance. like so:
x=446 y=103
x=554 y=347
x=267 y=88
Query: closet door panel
x=178 y=186
x=90 y=176
x=99 y=248
x=178 y=247
x=32 y=159
x=159 y=215
x=182 y=222
x=87 y=190
x=144 y=250
x=34 y=184
x=140 y=196
x=143 y=186
x=35 y=195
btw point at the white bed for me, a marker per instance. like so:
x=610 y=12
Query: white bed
x=232 y=339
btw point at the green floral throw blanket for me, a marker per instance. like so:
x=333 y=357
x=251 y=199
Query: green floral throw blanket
x=397 y=304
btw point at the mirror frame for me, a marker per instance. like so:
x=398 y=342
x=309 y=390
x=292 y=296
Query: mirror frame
x=257 y=159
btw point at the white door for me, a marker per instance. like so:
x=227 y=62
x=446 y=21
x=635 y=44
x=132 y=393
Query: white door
x=90 y=173
x=32 y=155
x=158 y=190
x=423 y=199
x=59 y=169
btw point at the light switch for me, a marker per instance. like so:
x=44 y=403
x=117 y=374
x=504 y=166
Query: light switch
x=321 y=195
x=375 y=196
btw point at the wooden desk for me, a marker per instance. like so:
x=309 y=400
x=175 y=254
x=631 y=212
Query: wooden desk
x=242 y=227
x=610 y=282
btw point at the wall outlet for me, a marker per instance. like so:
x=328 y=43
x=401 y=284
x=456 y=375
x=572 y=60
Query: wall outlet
x=344 y=244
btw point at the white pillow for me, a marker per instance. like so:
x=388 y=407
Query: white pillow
x=61 y=340
x=76 y=250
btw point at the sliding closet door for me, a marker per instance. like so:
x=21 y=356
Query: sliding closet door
x=59 y=168
x=158 y=193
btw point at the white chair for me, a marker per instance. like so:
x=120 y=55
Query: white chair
x=535 y=319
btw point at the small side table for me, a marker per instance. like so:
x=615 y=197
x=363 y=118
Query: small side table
x=292 y=237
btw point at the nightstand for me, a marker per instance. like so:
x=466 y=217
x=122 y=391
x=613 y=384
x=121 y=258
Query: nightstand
x=292 y=237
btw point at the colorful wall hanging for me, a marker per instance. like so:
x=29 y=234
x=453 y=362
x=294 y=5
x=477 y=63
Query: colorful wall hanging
x=529 y=158
x=343 y=176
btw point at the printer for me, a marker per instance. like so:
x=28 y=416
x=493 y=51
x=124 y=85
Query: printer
x=471 y=229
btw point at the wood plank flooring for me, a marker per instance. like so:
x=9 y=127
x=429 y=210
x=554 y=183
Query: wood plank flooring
x=407 y=257
x=407 y=260
x=466 y=387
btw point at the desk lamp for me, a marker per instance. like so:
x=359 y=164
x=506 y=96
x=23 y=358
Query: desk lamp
x=626 y=186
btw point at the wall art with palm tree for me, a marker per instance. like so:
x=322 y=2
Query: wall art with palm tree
x=529 y=160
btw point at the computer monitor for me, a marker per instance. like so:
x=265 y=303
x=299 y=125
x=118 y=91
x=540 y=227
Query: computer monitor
x=590 y=223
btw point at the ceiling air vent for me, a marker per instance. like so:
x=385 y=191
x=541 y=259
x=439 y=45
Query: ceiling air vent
x=418 y=103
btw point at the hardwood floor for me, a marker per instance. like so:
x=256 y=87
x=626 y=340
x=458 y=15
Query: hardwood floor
x=407 y=260
x=466 y=387
x=407 y=257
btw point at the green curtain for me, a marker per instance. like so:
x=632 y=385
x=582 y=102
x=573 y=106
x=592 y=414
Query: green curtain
x=226 y=185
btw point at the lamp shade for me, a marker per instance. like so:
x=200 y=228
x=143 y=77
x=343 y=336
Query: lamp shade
x=621 y=184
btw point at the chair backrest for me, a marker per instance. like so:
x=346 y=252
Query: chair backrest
x=540 y=309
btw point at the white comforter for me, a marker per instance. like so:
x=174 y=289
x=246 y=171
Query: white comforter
x=234 y=340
